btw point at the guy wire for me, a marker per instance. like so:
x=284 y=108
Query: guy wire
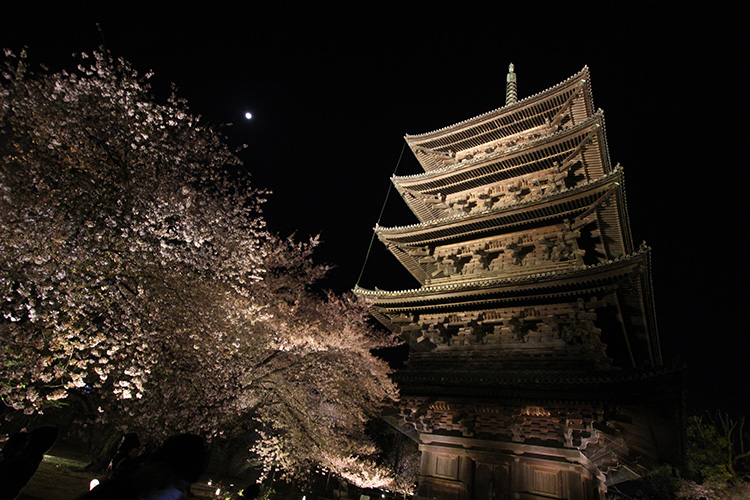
x=382 y=209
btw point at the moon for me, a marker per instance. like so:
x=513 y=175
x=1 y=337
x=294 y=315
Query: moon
x=248 y=115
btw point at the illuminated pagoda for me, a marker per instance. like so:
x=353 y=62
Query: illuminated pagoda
x=534 y=368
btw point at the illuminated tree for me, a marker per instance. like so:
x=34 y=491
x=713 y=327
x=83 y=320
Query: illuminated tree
x=717 y=455
x=136 y=274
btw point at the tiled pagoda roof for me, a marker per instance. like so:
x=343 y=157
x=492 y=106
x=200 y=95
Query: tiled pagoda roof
x=585 y=141
x=544 y=206
x=528 y=113
x=565 y=284
x=528 y=384
x=515 y=286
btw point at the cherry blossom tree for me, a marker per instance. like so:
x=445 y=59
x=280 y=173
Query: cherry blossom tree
x=137 y=273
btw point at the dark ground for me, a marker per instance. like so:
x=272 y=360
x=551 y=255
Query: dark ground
x=58 y=477
x=61 y=477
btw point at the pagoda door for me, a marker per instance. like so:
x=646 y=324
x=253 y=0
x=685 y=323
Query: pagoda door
x=491 y=482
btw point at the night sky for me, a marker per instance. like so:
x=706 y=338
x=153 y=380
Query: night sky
x=334 y=90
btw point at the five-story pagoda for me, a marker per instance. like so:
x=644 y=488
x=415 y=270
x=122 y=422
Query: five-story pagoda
x=534 y=369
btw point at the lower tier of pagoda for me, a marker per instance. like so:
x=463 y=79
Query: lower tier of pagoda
x=526 y=432
x=588 y=318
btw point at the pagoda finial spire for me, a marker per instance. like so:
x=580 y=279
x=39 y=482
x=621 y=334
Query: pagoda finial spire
x=511 y=89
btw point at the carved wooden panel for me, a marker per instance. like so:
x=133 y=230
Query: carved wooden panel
x=550 y=248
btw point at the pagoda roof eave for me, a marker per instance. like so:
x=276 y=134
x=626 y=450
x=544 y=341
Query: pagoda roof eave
x=605 y=273
x=625 y=280
x=597 y=119
x=525 y=206
x=413 y=139
x=524 y=377
x=537 y=385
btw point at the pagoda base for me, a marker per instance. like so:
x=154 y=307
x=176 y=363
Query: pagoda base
x=458 y=468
